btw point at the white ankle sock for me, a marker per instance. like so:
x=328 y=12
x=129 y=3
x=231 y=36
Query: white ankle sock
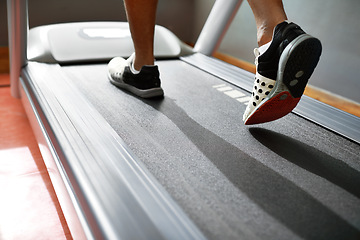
x=264 y=47
x=132 y=68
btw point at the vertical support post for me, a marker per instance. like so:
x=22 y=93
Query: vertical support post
x=18 y=28
x=216 y=26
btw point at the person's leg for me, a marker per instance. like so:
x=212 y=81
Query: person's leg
x=138 y=74
x=141 y=16
x=268 y=14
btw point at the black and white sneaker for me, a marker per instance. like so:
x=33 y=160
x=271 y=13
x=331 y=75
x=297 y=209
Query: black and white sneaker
x=144 y=83
x=283 y=68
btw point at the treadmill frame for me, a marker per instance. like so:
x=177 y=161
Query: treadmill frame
x=64 y=147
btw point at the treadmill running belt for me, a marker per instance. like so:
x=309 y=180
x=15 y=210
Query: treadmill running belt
x=288 y=179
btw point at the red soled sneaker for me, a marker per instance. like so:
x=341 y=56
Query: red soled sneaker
x=283 y=68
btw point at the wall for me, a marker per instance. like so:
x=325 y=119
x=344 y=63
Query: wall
x=3 y=24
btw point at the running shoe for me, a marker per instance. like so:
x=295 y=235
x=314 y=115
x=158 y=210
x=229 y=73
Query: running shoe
x=144 y=83
x=283 y=68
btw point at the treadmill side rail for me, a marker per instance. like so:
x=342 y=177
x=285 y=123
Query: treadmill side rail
x=47 y=148
x=117 y=197
x=340 y=122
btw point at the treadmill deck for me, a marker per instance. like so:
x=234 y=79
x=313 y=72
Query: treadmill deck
x=288 y=179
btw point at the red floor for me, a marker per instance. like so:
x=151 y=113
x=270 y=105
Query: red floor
x=29 y=208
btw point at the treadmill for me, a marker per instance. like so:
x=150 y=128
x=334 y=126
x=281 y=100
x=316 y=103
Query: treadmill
x=183 y=166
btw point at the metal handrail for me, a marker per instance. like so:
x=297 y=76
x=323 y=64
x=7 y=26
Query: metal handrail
x=218 y=22
x=18 y=29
